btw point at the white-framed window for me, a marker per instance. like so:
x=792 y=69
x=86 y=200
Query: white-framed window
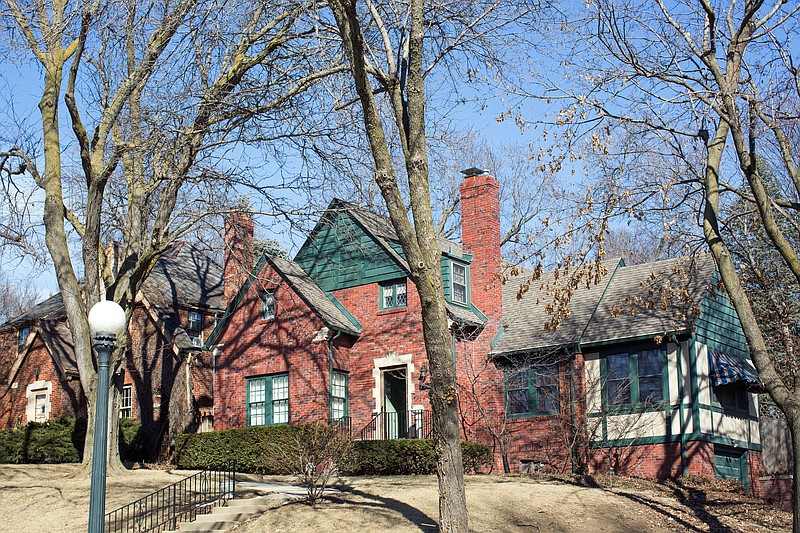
x=195 y=327
x=126 y=403
x=393 y=295
x=268 y=400
x=267 y=305
x=339 y=396
x=459 y=283
x=38 y=395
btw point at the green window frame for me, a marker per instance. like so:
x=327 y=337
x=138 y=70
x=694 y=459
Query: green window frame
x=393 y=295
x=634 y=378
x=268 y=400
x=532 y=391
x=732 y=397
x=267 y=305
x=340 y=396
x=459 y=283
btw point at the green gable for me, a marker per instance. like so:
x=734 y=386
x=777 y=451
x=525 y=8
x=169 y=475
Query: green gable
x=718 y=325
x=341 y=254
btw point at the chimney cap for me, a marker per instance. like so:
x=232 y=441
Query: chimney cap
x=474 y=171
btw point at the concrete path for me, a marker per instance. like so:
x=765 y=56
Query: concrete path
x=270 y=496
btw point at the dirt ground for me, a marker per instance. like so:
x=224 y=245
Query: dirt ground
x=54 y=498
x=517 y=504
x=50 y=498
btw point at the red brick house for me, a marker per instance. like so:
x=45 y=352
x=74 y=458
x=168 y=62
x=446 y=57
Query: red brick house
x=648 y=373
x=166 y=383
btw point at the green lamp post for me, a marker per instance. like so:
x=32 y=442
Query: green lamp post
x=106 y=321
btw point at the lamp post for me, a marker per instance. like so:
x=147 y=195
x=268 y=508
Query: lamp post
x=106 y=321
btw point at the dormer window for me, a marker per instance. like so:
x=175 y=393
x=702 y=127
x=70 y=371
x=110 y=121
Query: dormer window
x=393 y=295
x=23 y=335
x=459 y=284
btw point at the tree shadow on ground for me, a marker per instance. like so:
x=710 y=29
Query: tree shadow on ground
x=412 y=514
x=693 y=499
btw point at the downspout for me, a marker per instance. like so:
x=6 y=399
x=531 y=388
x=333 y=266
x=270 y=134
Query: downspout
x=330 y=375
x=573 y=451
x=681 y=417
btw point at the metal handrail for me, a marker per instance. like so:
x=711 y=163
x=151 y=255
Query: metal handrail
x=414 y=424
x=182 y=501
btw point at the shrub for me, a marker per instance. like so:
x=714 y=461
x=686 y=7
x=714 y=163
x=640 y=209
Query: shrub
x=132 y=440
x=261 y=449
x=312 y=454
x=61 y=441
x=255 y=449
x=476 y=457
x=412 y=456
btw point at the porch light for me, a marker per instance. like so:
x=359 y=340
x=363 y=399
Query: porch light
x=423 y=375
x=106 y=321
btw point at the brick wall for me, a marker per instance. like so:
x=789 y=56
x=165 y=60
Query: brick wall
x=290 y=342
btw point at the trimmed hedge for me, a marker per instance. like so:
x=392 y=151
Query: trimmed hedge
x=255 y=450
x=61 y=441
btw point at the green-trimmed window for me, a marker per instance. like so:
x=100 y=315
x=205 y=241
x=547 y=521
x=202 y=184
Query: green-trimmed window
x=267 y=305
x=732 y=396
x=532 y=391
x=268 y=400
x=393 y=295
x=459 y=283
x=634 y=378
x=339 y=396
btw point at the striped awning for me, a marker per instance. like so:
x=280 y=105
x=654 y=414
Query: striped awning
x=727 y=368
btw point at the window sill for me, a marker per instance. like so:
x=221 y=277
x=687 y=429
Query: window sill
x=392 y=311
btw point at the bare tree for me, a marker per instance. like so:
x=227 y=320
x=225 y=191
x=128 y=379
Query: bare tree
x=712 y=90
x=155 y=95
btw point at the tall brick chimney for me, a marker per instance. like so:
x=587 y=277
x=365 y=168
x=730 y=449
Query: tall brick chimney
x=480 y=236
x=239 y=238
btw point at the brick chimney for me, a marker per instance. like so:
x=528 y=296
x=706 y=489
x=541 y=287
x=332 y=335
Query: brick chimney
x=238 y=252
x=480 y=236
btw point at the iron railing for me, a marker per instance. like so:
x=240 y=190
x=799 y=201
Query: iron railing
x=344 y=424
x=179 y=502
x=416 y=424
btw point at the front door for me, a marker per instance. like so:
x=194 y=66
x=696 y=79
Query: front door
x=395 y=403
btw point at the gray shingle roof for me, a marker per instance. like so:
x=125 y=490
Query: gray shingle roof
x=629 y=302
x=524 y=318
x=651 y=299
x=319 y=301
x=183 y=276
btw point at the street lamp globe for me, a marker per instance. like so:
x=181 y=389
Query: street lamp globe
x=107 y=317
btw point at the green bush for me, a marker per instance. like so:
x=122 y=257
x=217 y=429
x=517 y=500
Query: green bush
x=132 y=440
x=257 y=450
x=412 y=456
x=61 y=441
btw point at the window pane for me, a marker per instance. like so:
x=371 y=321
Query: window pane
x=338 y=408
x=401 y=294
x=267 y=305
x=617 y=366
x=257 y=414
x=518 y=401
x=619 y=391
x=339 y=389
x=280 y=412
x=280 y=387
x=459 y=293
x=650 y=389
x=388 y=296
x=548 y=399
x=256 y=390
x=547 y=388
x=459 y=274
x=650 y=363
